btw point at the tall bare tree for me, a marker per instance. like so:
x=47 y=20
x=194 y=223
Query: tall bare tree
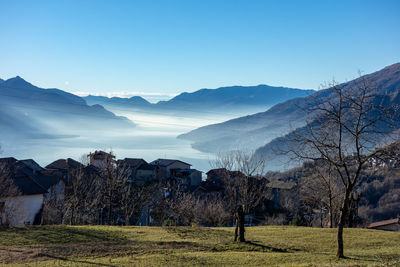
x=244 y=184
x=136 y=198
x=81 y=197
x=346 y=129
x=322 y=190
x=114 y=181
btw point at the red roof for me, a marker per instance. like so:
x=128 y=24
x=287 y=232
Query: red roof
x=386 y=222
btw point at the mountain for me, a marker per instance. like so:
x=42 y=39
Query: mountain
x=135 y=101
x=1 y=80
x=233 y=99
x=254 y=131
x=30 y=111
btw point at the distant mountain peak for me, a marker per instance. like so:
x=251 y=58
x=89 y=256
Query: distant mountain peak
x=18 y=82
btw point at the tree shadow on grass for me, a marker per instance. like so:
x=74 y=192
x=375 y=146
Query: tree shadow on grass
x=47 y=235
x=386 y=259
x=266 y=248
x=247 y=246
x=76 y=261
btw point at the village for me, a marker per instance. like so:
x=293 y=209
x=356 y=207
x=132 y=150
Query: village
x=131 y=191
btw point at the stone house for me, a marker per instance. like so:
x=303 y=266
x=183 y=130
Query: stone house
x=166 y=165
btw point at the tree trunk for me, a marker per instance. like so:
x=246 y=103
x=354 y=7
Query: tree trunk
x=148 y=217
x=321 y=218
x=330 y=211
x=236 y=229
x=71 y=219
x=342 y=221
x=240 y=214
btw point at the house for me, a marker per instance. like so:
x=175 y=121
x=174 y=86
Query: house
x=64 y=165
x=132 y=165
x=216 y=178
x=101 y=159
x=188 y=177
x=147 y=173
x=387 y=225
x=27 y=187
x=280 y=190
x=166 y=165
x=62 y=168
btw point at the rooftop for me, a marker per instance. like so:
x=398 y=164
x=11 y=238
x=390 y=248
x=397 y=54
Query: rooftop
x=276 y=184
x=131 y=162
x=383 y=223
x=64 y=164
x=167 y=162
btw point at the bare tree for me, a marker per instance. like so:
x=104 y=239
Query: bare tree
x=244 y=184
x=53 y=205
x=345 y=131
x=211 y=212
x=81 y=197
x=7 y=190
x=182 y=204
x=322 y=190
x=137 y=198
x=114 y=181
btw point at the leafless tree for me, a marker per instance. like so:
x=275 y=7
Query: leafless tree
x=346 y=130
x=182 y=204
x=211 y=212
x=7 y=190
x=53 y=205
x=322 y=190
x=136 y=198
x=244 y=184
x=114 y=181
x=81 y=197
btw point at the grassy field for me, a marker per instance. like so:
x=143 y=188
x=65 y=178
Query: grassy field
x=178 y=246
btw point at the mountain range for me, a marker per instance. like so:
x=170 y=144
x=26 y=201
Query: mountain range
x=261 y=130
x=29 y=111
x=232 y=100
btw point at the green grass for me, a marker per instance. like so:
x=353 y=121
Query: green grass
x=177 y=246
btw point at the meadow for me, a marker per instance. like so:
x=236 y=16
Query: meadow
x=191 y=246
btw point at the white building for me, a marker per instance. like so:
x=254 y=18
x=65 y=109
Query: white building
x=23 y=204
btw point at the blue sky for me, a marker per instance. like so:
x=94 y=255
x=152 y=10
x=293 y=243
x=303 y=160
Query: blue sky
x=165 y=47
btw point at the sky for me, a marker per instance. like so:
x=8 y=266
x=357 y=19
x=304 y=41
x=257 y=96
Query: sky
x=158 y=49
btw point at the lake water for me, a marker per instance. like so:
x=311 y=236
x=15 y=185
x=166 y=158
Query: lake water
x=154 y=137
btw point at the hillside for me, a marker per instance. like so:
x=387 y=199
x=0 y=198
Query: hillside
x=273 y=150
x=379 y=185
x=224 y=100
x=254 y=131
x=186 y=246
x=30 y=111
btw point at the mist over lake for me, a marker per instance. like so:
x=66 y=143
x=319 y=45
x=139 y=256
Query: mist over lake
x=153 y=137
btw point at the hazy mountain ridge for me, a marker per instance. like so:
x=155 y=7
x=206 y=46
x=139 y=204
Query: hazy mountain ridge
x=135 y=101
x=391 y=100
x=28 y=110
x=225 y=100
x=254 y=131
